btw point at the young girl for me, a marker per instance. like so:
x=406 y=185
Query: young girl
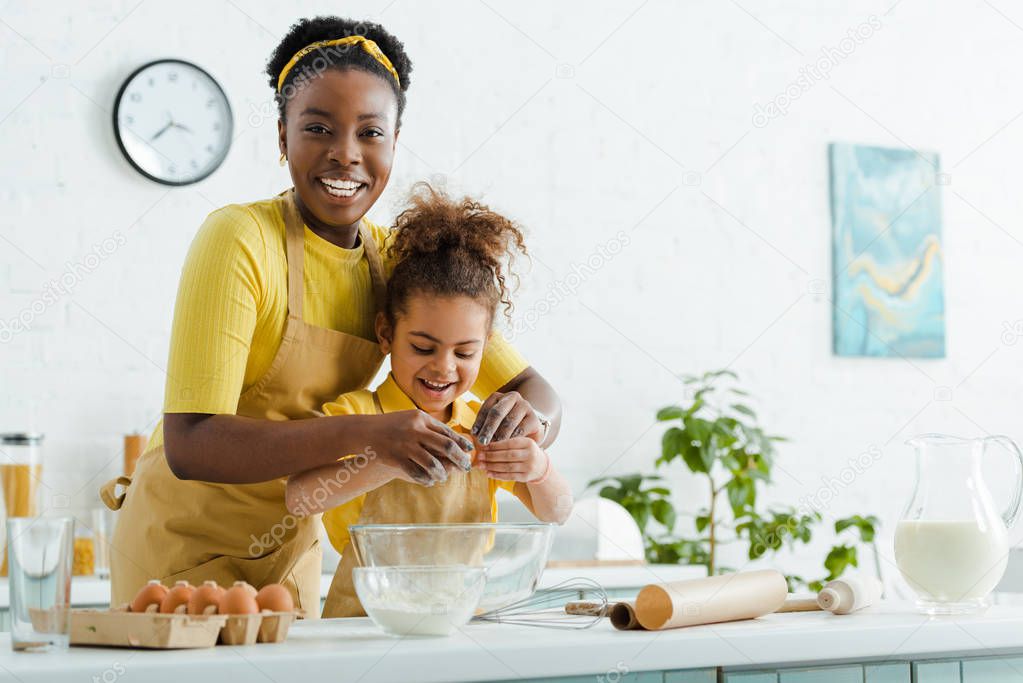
x=450 y=275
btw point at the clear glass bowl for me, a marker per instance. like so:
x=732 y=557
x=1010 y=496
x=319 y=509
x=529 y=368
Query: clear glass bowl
x=514 y=555
x=419 y=601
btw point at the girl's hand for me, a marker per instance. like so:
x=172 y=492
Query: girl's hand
x=504 y=416
x=516 y=459
x=422 y=449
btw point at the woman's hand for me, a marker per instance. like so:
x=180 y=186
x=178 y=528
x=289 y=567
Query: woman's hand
x=516 y=459
x=504 y=416
x=422 y=449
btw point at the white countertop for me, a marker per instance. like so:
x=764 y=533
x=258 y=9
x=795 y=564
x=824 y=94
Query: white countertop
x=353 y=649
x=88 y=591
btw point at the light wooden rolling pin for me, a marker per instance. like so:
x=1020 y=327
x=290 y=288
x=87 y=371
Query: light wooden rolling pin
x=730 y=597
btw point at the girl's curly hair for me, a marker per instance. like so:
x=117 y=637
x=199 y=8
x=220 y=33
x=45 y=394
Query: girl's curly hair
x=450 y=247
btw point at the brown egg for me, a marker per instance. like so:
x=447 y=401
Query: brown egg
x=152 y=593
x=247 y=586
x=177 y=598
x=238 y=600
x=206 y=598
x=276 y=598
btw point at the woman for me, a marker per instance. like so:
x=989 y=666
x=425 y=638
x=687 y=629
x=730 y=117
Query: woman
x=274 y=317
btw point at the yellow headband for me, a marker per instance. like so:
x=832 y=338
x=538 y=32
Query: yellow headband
x=368 y=45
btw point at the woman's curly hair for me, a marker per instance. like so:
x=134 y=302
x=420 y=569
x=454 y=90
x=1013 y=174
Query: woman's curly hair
x=451 y=247
x=308 y=31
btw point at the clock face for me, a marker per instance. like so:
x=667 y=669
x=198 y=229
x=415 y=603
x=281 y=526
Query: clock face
x=173 y=122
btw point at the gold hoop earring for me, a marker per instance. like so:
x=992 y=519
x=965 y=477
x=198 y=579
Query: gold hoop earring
x=284 y=159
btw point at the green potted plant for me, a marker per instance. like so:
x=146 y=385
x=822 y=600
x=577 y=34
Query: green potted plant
x=716 y=437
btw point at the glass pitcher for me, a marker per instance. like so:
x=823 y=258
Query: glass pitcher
x=951 y=544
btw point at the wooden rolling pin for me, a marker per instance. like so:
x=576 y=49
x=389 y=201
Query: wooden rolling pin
x=730 y=597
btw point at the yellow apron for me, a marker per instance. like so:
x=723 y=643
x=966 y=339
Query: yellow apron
x=170 y=529
x=464 y=497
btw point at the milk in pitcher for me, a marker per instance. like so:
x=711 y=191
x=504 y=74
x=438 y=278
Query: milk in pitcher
x=952 y=561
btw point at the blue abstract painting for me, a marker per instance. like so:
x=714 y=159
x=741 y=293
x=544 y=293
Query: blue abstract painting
x=886 y=218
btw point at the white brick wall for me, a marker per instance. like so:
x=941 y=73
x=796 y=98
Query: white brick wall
x=581 y=121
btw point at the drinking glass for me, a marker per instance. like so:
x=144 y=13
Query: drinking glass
x=40 y=553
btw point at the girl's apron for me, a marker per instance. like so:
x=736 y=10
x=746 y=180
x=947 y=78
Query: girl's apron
x=170 y=529
x=464 y=497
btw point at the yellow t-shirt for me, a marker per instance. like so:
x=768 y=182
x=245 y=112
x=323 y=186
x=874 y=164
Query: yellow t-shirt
x=392 y=398
x=232 y=306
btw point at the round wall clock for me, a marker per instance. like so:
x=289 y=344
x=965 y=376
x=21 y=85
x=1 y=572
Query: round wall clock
x=173 y=122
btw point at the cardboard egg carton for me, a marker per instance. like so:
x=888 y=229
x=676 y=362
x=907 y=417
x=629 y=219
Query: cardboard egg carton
x=265 y=627
x=121 y=628
x=118 y=627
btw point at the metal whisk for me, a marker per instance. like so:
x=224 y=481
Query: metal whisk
x=546 y=607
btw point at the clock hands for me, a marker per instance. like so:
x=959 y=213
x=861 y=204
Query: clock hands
x=171 y=123
x=162 y=131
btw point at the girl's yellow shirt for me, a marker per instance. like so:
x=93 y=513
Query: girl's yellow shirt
x=232 y=305
x=392 y=399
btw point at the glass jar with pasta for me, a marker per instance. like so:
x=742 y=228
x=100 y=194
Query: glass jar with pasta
x=21 y=470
